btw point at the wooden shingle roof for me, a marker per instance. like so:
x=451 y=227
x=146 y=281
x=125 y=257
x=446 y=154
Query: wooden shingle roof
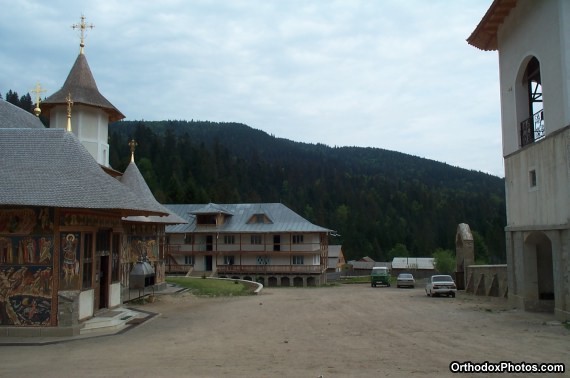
x=50 y=167
x=133 y=179
x=81 y=85
x=12 y=116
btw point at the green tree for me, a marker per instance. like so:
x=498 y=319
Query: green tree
x=480 y=249
x=444 y=261
x=399 y=250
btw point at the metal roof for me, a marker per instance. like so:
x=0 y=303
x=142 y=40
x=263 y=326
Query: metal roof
x=81 y=85
x=412 y=263
x=12 y=117
x=50 y=167
x=238 y=219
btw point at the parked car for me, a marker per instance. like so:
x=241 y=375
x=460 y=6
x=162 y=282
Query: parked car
x=405 y=280
x=379 y=276
x=441 y=284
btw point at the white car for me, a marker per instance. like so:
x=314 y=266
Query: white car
x=405 y=280
x=441 y=284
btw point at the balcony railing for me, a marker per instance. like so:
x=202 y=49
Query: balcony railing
x=532 y=129
x=262 y=269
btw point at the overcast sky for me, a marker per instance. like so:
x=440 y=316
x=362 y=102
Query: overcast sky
x=397 y=75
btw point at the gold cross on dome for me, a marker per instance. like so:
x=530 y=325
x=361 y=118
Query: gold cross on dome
x=133 y=145
x=82 y=26
x=37 y=90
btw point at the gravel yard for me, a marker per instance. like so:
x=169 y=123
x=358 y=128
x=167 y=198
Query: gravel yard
x=343 y=331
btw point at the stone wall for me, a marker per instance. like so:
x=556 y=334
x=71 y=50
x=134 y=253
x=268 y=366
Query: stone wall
x=487 y=280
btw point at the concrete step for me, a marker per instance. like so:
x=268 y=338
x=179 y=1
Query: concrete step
x=110 y=321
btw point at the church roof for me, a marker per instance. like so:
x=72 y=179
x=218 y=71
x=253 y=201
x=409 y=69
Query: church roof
x=133 y=179
x=12 y=117
x=81 y=85
x=50 y=167
x=484 y=36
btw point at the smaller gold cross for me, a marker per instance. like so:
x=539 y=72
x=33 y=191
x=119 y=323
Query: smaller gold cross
x=82 y=26
x=133 y=145
x=37 y=90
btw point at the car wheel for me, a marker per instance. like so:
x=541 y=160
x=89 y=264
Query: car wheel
x=452 y=295
x=431 y=294
x=427 y=293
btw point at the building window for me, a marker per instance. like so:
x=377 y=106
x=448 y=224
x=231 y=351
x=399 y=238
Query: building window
x=255 y=239
x=188 y=260
x=229 y=260
x=297 y=239
x=229 y=239
x=298 y=260
x=532 y=179
x=532 y=128
x=263 y=260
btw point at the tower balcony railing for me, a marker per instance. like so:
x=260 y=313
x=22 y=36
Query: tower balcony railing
x=532 y=129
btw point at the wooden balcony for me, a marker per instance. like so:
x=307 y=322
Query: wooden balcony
x=177 y=268
x=268 y=269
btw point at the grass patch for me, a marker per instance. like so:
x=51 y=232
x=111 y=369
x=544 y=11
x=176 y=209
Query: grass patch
x=355 y=280
x=211 y=288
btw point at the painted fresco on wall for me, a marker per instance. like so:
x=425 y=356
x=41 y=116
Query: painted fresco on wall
x=26 y=221
x=144 y=249
x=25 y=295
x=125 y=262
x=26 y=250
x=88 y=219
x=69 y=279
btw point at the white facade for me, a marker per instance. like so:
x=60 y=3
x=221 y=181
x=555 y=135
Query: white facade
x=533 y=40
x=90 y=125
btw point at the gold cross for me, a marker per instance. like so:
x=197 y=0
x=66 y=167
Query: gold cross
x=37 y=90
x=82 y=26
x=133 y=144
x=69 y=105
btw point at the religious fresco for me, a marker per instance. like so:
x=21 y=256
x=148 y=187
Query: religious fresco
x=26 y=250
x=144 y=249
x=25 y=221
x=87 y=219
x=70 y=252
x=25 y=295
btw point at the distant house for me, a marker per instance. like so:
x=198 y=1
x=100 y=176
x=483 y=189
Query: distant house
x=364 y=266
x=265 y=242
x=336 y=259
x=420 y=267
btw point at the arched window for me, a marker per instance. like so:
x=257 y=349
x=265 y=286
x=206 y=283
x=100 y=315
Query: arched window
x=532 y=128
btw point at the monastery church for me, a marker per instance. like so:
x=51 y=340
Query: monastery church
x=71 y=227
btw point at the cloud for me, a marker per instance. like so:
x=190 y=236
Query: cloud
x=389 y=74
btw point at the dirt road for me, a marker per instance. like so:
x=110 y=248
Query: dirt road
x=346 y=331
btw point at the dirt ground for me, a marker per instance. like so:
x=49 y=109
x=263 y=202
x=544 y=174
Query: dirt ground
x=344 y=331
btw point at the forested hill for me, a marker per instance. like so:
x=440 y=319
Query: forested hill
x=374 y=198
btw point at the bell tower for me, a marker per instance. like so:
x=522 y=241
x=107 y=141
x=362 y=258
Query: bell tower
x=531 y=38
x=91 y=112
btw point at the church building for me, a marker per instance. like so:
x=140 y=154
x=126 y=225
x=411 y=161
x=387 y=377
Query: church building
x=71 y=227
